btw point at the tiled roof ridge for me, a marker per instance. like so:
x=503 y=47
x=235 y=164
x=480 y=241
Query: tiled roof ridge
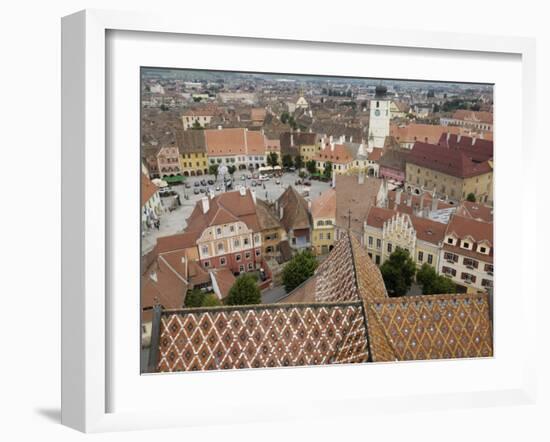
x=284 y=306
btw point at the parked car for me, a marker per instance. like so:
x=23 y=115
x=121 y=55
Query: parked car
x=243 y=177
x=197 y=184
x=187 y=186
x=277 y=181
x=202 y=190
x=253 y=183
x=218 y=188
x=210 y=182
x=264 y=177
x=196 y=191
x=297 y=182
x=203 y=182
x=307 y=183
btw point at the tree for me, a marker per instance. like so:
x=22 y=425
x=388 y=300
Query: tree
x=244 y=291
x=272 y=159
x=311 y=167
x=298 y=162
x=298 y=269
x=196 y=125
x=432 y=283
x=194 y=298
x=231 y=169
x=287 y=161
x=327 y=172
x=398 y=272
x=284 y=117
x=213 y=170
x=210 y=300
x=471 y=197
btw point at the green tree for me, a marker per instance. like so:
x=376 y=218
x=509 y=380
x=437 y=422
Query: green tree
x=210 y=300
x=432 y=283
x=471 y=197
x=194 y=298
x=272 y=159
x=231 y=169
x=284 y=117
x=398 y=272
x=327 y=172
x=287 y=161
x=311 y=167
x=213 y=170
x=298 y=162
x=196 y=125
x=245 y=291
x=298 y=269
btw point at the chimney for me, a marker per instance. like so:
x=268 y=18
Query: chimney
x=253 y=193
x=205 y=204
x=434 y=203
x=330 y=139
x=351 y=139
x=281 y=212
x=342 y=139
x=242 y=190
x=332 y=147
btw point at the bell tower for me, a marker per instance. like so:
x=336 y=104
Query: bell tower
x=379 y=118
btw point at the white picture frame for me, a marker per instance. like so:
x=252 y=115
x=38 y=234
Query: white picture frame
x=85 y=260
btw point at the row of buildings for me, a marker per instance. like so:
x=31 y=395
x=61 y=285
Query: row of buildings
x=457 y=240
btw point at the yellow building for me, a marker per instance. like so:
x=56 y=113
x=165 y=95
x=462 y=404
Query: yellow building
x=323 y=213
x=192 y=152
x=453 y=172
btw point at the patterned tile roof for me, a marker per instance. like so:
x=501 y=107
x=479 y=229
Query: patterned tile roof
x=348 y=318
x=435 y=326
x=263 y=336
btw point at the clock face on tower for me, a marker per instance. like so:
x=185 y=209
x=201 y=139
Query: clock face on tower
x=377 y=112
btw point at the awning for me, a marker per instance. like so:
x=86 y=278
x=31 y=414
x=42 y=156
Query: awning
x=174 y=179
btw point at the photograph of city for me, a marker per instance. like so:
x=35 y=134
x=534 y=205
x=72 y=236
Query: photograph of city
x=298 y=220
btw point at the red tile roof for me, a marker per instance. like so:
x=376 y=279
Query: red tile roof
x=148 y=189
x=450 y=161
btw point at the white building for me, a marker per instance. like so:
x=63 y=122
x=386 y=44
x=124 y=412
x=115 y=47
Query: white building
x=379 y=118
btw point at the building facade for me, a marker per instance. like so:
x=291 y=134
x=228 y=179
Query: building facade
x=323 y=216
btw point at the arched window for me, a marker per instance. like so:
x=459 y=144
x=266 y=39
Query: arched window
x=320 y=223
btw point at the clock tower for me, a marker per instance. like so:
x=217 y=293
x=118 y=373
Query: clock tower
x=379 y=118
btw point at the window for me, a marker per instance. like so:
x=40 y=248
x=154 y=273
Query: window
x=223 y=261
x=204 y=250
x=420 y=256
x=218 y=230
x=321 y=236
x=389 y=247
x=450 y=257
x=231 y=228
x=250 y=266
x=206 y=263
x=257 y=239
x=486 y=283
x=448 y=271
x=269 y=249
x=371 y=240
x=237 y=258
x=468 y=262
x=465 y=244
x=430 y=259
x=247 y=255
x=320 y=223
x=241 y=268
x=370 y=255
x=220 y=247
x=245 y=241
x=468 y=278
x=378 y=243
x=237 y=243
x=328 y=235
x=450 y=240
x=377 y=259
x=482 y=249
x=258 y=252
x=489 y=268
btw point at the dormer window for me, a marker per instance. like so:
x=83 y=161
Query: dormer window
x=451 y=240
